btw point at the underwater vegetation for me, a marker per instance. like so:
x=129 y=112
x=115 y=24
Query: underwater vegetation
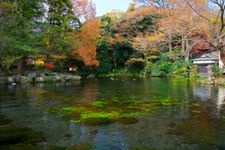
x=201 y=128
x=102 y=112
x=4 y=120
x=14 y=134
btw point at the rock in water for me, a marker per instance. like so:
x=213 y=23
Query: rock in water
x=25 y=80
x=39 y=79
x=11 y=80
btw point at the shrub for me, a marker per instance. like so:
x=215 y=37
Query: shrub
x=135 y=64
x=216 y=70
x=181 y=68
x=148 y=67
x=161 y=68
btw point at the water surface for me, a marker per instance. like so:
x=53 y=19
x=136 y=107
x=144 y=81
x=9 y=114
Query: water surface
x=105 y=114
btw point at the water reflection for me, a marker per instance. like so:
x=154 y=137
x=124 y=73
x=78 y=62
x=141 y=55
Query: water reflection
x=208 y=92
x=221 y=97
x=199 y=110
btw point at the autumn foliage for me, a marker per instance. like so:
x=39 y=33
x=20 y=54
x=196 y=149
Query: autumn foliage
x=85 y=49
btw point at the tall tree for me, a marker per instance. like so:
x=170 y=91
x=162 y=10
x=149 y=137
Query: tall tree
x=61 y=20
x=215 y=19
x=84 y=47
x=19 y=23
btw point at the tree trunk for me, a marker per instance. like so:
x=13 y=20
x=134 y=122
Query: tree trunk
x=21 y=66
x=170 y=44
x=187 y=50
x=183 y=44
x=114 y=60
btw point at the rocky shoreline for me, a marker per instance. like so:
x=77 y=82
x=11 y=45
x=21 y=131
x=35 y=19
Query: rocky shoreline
x=44 y=77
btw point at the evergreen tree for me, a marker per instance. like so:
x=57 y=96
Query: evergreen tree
x=60 y=22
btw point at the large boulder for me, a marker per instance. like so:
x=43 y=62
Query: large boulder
x=72 y=78
x=57 y=78
x=75 y=78
x=32 y=75
x=91 y=76
x=25 y=80
x=11 y=80
x=22 y=79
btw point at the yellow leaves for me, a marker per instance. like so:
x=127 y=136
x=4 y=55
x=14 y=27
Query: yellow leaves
x=38 y=62
x=147 y=42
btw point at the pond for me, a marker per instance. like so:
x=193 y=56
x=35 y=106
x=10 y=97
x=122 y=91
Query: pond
x=113 y=114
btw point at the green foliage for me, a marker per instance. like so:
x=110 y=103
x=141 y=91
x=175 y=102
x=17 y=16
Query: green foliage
x=181 y=68
x=19 y=24
x=161 y=68
x=148 y=68
x=123 y=73
x=104 y=57
x=135 y=64
x=164 y=67
x=216 y=70
x=61 y=14
x=121 y=52
x=193 y=72
x=112 y=56
x=24 y=32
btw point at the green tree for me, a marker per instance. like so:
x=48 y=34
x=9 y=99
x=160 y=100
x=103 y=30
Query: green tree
x=19 y=23
x=60 y=22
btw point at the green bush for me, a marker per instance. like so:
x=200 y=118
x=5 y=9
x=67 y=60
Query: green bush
x=135 y=64
x=216 y=70
x=181 y=68
x=161 y=68
x=194 y=71
x=148 y=67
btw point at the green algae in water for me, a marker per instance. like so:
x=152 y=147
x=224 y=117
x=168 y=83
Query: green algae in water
x=196 y=105
x=132 y=114
x=82 y=146
x=5 y=120
x=18 y=135
x=98 y=118
x=106 y=112
x=71 y=109
x=100 y=115
x=201 y=129
x=99 y=104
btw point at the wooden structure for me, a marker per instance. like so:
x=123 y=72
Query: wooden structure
x=206 y=61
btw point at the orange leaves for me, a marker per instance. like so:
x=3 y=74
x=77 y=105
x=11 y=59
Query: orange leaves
x=85 y=50
x=85 y=40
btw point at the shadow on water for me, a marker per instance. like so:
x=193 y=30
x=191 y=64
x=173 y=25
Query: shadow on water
x=119 y=114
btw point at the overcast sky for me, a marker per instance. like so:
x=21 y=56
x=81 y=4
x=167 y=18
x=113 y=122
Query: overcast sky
x=104 y=6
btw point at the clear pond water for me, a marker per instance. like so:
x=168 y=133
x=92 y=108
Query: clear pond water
x=118 y=115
